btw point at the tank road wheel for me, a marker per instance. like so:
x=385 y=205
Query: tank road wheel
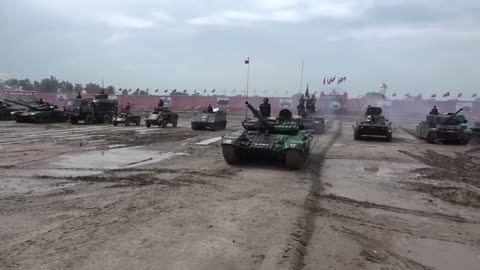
x=465 y=141
x=294 y=159
x=389 y=137
x=356 y=135
x=107 y=119
x=175 y=123
x=89 y=119
x=432 y=137
x=230 y=154
x=127 y=122
x=148 y=124
x=164 y=124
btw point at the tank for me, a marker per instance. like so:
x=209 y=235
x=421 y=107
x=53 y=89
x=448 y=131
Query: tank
x=216 y=120
x=6 y=111
x=373 y=123
x=447 y=128
x=279 y=139
x=38 y=113
x=161 y=117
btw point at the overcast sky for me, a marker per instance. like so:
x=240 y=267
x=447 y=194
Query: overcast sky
x=413 y=46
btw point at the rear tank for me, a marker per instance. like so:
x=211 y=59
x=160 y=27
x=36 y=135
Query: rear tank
x=280 y=139
x=373 y=123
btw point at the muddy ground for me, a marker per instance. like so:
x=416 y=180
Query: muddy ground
x=103 y=197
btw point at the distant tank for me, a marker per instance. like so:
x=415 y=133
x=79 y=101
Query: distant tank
x=308 y=117
x=279 y=139
x=215 y=120
x=373 y=123
x=447 y=128
x=38 y=113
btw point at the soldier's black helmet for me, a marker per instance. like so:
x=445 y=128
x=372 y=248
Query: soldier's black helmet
x=265 y=100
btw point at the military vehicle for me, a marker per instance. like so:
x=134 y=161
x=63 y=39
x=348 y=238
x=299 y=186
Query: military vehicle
x=97 y=110
x=38 y=113
x=162 y=116
x=6 y=111
x=447 y=128
x=373 y=124
x=215 y=120
x=279 y=139
x=126 y=118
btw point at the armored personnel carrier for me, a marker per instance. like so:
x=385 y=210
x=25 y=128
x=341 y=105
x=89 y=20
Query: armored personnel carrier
x=447 y=128
x=90 y=111
x=373 y=123
x=279 y=139
x=38 y=113
x=215 y=120
x=161 y=116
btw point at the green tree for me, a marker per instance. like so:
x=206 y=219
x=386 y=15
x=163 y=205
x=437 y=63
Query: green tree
x=25 y=84
x=77 y=88
x=92 y=87
x=36 y=85
x=125 y=92
x=12 y=83
x=49 y=85
x=65 y=87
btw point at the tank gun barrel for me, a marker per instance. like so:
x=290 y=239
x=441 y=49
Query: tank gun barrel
x=258 y=115
x=19 y=103
x=453 y=115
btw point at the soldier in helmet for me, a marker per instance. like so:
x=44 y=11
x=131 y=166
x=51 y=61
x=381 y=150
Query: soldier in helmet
x=160 y=103
x=79 y=96
x=265 y=108
x=127 y=108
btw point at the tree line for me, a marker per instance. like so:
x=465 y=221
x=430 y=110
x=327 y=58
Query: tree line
x=53 y=85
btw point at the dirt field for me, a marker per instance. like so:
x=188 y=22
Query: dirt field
x=104 y=197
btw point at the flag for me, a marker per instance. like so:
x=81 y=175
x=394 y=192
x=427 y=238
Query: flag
x=185 y=91
x=407 y=94
x=434 y=95
x=247 y=61
x=165 y=91
x=459 y=95
x=474 y=95
x=205 y=90
x=120 y=90
x=324 y=81
x=333 y=79
x=146 y=90
x=307 y=94
x=138 y=89
x=195 y=91
x=130 y=90
x=394 y=94
x=446 y=94
x=213 y=91
x=156 y=90
x=174 y=90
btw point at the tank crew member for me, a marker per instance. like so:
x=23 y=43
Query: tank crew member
x=127 y=108
x=79 y=96
x=434 y=111
x=301 y=110
x=41 y=102
x=209 y=109
x=160 y=103
x=265 y=108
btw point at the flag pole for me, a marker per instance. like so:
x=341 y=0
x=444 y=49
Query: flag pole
x=248 y=80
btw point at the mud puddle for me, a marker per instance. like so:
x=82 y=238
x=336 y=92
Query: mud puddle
x=97 y=161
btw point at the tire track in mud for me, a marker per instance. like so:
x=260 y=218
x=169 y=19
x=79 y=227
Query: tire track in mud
x=294 y=252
